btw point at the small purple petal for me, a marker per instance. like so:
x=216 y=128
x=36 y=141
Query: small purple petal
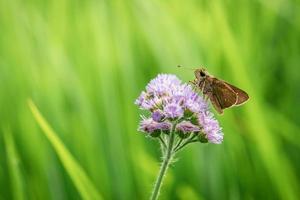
x=187 y=127
x=211 y=127
x=157 y=115
x=165 y=126
x=215 y=138
x=149 y=126
x=147 y=102
x=173 y=110
x=139 y=101
x=162 y=84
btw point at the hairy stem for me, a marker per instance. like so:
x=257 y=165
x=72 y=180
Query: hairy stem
x=165 y=164
x=178 y=143
x=162 y=142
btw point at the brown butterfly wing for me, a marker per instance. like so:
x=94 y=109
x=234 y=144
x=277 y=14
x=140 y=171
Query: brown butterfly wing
x=215 y=102
x=242 y=95
x=225 y=95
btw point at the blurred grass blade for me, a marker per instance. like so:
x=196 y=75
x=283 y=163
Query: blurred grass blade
x=13 y=167
x=187 y=192
x=83 y=184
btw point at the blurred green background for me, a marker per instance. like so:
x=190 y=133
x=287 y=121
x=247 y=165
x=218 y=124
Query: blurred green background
x=83 y=63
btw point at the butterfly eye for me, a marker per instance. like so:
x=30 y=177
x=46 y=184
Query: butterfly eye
x=202 y=74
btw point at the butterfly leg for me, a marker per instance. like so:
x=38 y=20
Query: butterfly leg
x=193 y=82
x=206 y=97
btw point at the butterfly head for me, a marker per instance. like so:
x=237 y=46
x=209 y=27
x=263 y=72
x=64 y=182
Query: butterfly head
x=201 y=74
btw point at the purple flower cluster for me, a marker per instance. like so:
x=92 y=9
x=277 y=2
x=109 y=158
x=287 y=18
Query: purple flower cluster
x=148 y=125
x=169 y=100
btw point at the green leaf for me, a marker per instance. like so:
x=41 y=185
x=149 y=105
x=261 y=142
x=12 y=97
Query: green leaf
x=13 y=167
x=80 y=179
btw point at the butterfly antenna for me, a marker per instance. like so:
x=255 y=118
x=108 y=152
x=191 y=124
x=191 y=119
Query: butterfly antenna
x=180 y=66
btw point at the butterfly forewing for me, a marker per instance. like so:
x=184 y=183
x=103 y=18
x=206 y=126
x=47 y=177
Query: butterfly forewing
x=242 y=95
x=226 y=96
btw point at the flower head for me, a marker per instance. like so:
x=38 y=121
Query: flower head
x=148 y=125
x=187 y=127
x=157 y=115
x=173 y=110
x=163 y=84
x=211 y=127
x=169 y=100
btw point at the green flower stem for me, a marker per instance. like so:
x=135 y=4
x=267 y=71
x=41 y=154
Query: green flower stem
x=162 y=142
x=165 y=164
x=188 y=141
x=178 y=143
x=183 y=145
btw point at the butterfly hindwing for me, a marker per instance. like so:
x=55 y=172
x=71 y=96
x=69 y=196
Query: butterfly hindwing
x=215 y=102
